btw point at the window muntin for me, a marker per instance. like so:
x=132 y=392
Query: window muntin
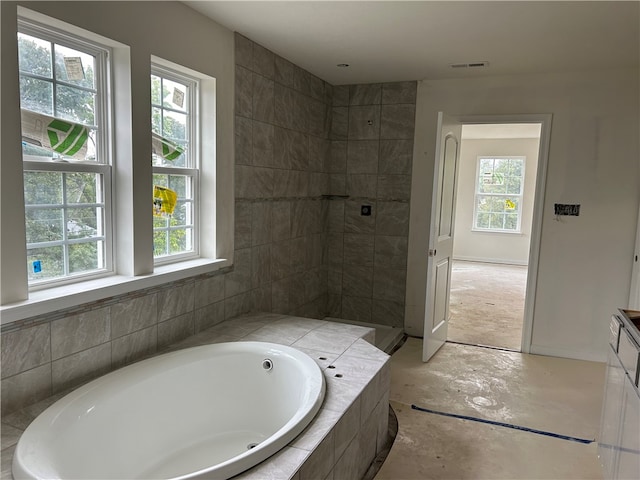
x=498 y=194
x=174 y=104
x=66 y=195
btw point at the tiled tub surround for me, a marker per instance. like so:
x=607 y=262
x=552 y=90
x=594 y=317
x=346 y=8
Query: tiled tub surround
x=348 y=432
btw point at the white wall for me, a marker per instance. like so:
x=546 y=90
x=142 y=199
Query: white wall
x=510 y=248
x=585 y=262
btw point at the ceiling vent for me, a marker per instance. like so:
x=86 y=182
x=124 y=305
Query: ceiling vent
x=470 y=65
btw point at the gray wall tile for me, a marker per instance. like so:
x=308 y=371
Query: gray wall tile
x=280 y=260
x=356 y=308
x=261 y=223
x=175 y=329
x=357 y=281
x=244 y=92
x=80 y=367
x=260 y=265
x=341 y=96
x=79 y=332
x=281 y=221
x=362 y=157
x=238 y=305
x=364 y=123
x=209 y=290
x=354 y=222
x=338 y=159
x=263 y=98
x=392 y=218
x=397 y=122
x=365 y=94
x=239 y=280
x=175 y=301
x=358 y=249
x=336 y=216
x=209 y=316
x=386 y=312
x=390 y=251
x=263 y=61
x=339 y=123
x=337 y=184
x=394 y=187
x=283 y=71
x=389 y=284
x=284 y=115
x=242 y=224
x=25 y=388
x=243 y=141
x=263 y=140
x=134 y=314
x=396 y=157
x=243 y=50
x=128 y=349
x=362 y=185
x=25 y=349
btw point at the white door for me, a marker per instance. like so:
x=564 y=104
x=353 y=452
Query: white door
x=441 y=235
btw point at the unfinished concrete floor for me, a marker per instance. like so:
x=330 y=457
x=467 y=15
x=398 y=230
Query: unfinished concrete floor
x=486 y=306
x=545 y=393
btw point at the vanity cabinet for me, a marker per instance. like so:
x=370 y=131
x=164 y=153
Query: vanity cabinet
x=619 y=439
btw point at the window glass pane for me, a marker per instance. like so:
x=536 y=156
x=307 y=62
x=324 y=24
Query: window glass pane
x=82 y=223
x=75 y=105
x=511 y=222
x=156 y=97
x=34 y=55
x=45 y=263
x=176 y=95
x=156 y=120
x=42 y=188
x=181 y=215
x=84 y=257
x=160 y=238
x=514 y=185
x=174 y=125
x=75 y=67
x=180 y=241
x=83 y=187
x=44 y=225
x=178 y=183
x=36 y=95
x=497 y=221
x=483 y=220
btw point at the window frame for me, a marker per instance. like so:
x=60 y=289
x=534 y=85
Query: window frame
x=477 y=195
x=131 y=145
x=176 y=74
x=103 y=125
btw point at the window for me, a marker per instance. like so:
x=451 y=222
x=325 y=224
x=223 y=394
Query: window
x=174 y=104
x=65 y=145
x=498 y=196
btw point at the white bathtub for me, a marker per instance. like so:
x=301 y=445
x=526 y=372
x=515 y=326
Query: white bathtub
x=193 y=413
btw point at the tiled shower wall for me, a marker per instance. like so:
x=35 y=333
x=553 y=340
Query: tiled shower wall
x=370 y=168
x=299 y=250
x=283 y=116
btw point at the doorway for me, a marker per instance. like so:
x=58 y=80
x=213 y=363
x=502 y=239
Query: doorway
x=494 y=212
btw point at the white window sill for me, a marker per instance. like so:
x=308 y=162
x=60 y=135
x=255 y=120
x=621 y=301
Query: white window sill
x=52 y=299
x=508 y=232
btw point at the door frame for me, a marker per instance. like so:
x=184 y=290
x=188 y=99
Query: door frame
x=538 y=209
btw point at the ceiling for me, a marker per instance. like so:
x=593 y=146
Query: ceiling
x=386 y=41
x=501 y=131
